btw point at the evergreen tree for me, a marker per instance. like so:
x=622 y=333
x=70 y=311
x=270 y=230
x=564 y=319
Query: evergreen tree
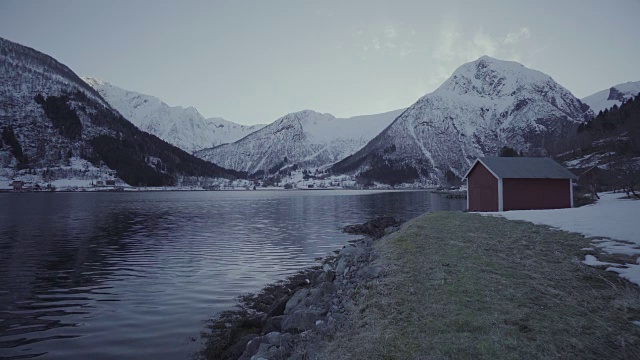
x=508 y=152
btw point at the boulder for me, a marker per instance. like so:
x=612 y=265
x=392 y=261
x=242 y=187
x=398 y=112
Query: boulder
x=272 y=324
x=328 y=275
x=295 y=300
x=328 y=288
x=251 y=348
x=299 y=321
x=374 y=228
x=342 y=264
x=348 y=250
x=272 y=338
x=277 y=308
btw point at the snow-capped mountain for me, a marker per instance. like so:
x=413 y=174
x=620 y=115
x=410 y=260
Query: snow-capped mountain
x=182 y=127
x=615 y=95
x=305 y=138
x=49 y=116
x=485 y=105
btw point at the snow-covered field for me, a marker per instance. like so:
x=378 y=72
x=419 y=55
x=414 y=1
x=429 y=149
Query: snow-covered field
x=612 y=222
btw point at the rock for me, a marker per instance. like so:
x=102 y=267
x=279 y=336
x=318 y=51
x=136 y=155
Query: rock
x=272 y=338
x=316 y=274
x=328 y=275
x=295 y=300
x=348 y=250
x=299 y=321
x=254 y=321
x=251 y=348
x=272 y=324
x=373 y=256
x=391 y=229
x=277 y=308
x=264 y=347
x=237 y=349
x=286 y=343
x=326 y=268
x=374 y=228
x=342 y=264
x=328 y=288
x=265 y=351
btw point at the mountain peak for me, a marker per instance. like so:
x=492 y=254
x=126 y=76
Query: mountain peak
x=309 y=113
x=489 y=77
x=485 y=104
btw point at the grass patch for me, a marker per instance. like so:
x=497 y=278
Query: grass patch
x=467 y=286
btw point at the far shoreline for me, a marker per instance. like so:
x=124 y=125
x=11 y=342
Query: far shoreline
x=143 y=190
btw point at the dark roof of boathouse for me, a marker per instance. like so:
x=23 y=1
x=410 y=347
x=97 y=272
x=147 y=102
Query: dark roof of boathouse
x=523 y=168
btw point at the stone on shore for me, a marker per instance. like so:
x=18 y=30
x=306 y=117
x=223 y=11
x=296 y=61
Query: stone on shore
x=311 y=305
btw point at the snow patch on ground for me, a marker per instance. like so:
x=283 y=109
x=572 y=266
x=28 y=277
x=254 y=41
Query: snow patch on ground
x=630 y=272
x=613 y=218
x=593 y=261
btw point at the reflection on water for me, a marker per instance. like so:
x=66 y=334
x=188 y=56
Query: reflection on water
x=112 y=275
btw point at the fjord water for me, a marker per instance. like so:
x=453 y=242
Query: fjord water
x=134 y=275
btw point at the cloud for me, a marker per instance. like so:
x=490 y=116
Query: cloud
x=387 y=40
x=454 y=48
x=390 y=32
x=376 y=44
x=516 y=37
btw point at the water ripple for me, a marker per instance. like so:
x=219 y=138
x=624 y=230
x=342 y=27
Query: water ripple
x=132 y=276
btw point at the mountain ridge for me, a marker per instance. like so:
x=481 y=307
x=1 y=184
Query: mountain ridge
x=183 y=127
x=615 y=95
x=305 y=138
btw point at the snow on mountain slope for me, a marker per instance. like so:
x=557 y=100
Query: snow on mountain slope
x=305 y=138
x=49 y=116
x=182 y=127
x=615 y=95
x=485 y=105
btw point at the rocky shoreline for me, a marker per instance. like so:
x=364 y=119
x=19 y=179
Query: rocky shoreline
x=288 y=319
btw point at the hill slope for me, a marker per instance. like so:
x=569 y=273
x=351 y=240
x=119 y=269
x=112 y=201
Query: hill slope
x=51 y=115
x=485 y=105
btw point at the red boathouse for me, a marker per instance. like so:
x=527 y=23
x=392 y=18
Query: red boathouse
x=518 y=183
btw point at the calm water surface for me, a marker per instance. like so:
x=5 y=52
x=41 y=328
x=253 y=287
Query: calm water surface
x=134 y=275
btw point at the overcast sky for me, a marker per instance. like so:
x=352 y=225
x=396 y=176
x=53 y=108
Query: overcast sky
x=254 y=61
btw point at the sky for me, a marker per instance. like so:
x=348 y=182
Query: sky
x=254 y=61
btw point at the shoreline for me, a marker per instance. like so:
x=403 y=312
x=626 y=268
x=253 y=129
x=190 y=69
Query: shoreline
x=139 y=190
x=286 y=317
x=443 y=285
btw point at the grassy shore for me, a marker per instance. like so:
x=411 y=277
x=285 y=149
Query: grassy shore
x=465 y=286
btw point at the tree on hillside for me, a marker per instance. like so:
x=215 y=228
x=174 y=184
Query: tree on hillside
x=615 y=133
x=509 y=152
x=10 y=139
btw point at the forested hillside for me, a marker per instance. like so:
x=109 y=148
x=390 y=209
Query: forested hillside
x=608 y=154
